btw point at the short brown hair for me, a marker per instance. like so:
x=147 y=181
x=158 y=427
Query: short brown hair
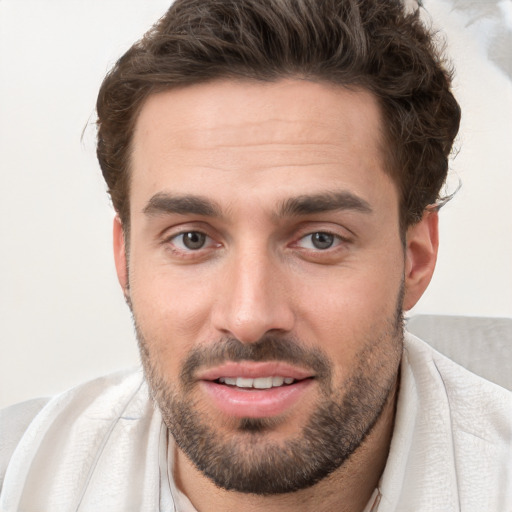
x=372 y=44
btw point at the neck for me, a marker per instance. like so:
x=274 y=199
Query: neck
x=348 y=489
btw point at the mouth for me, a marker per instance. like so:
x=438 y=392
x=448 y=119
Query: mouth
x=255 y=390
x=257 y=383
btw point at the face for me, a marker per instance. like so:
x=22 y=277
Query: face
x=266 y=275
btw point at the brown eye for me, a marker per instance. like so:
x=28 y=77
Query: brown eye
x=194 y=240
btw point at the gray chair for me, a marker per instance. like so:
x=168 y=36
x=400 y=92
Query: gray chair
x=483 y=345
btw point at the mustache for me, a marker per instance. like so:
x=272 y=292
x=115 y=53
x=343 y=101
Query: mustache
x=268 y=348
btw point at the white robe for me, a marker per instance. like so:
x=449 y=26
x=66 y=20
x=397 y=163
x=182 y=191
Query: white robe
x=103 y=446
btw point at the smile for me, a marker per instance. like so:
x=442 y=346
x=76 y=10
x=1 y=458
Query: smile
x=258 y=383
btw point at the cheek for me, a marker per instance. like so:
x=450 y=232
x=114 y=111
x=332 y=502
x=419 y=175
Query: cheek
x=351 y=296
x=348 y=312
x=171 y=314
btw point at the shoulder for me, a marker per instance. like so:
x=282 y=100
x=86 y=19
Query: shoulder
x=96 y=397
x=476 y=405
x=452 y=440
x=466 y=422
x=14 y=420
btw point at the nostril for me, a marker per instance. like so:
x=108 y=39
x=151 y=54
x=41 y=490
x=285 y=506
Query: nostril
x=252 y=305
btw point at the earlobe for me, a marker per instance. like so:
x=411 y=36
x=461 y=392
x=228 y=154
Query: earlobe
x=420 y=257
x=120 y=255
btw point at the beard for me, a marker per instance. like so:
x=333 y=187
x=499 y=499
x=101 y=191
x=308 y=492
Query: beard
x=246 y=460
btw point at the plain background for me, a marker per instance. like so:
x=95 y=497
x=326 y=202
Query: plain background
x=62 y=315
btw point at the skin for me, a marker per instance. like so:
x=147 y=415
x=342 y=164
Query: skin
x=248 y=148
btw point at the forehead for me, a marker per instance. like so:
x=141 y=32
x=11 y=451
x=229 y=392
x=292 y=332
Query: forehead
x=202 y=116
x=258 y=137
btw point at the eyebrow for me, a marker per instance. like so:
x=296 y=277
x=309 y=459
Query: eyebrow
x=163 y=203
x=323 y=202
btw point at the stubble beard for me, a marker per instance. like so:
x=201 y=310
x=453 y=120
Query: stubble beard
x=246 y=460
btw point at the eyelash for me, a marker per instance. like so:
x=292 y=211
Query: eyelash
x=336 y=240
x=182 y=250
x=170 y=241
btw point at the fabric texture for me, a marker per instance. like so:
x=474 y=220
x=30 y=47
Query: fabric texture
x=14 y=420
x=482 y=345
x=103 y=446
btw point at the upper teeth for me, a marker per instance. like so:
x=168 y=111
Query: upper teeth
x=258 y=383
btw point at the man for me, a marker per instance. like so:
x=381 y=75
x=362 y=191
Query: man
x=275 y=166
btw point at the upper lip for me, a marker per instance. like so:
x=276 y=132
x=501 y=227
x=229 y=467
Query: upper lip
x=253 y=370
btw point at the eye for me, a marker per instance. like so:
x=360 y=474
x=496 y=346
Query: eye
x=190 y=240
x=319 y=240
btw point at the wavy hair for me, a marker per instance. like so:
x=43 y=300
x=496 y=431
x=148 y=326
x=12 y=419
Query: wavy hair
x=370 y=44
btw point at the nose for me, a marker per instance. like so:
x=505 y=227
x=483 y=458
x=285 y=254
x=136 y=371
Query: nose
x=253 y=299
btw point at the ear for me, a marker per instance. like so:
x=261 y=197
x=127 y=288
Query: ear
x=120 y=255
x=422 y=241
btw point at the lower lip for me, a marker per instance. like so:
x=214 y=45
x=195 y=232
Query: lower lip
x=255 y=403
